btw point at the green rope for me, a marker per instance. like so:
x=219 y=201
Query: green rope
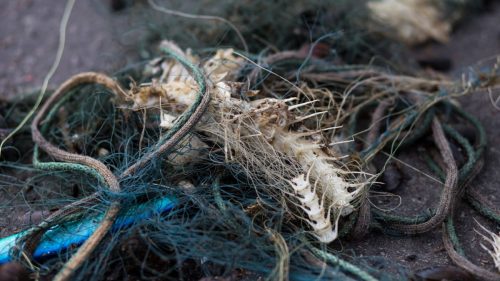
x=483 y=210
x=453 y=235
x=464 y=172
x=200 y=80
x=433 y=165
x=344 y=265
x=472 y=155
x=61 y=165
x=481 y=132
x=421 y=218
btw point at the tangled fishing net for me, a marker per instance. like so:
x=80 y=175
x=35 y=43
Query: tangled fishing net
x=202 y=163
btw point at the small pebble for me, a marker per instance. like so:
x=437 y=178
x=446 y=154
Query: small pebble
x=412 y=257
x=187 y=186
x=102 y=152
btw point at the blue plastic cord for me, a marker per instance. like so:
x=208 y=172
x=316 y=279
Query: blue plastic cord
x=61 y=237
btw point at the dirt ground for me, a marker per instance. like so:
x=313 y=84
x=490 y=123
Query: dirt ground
x=97 y=40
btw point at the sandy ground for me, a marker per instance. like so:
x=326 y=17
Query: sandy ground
x=29 y=37
x=95 y=42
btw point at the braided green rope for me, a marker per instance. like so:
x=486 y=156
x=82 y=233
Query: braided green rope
x=483 y=210
x=453 y=235
x=200 y=80
x=433 y=165
x=62 y=166
x=481 y=132
x=473 y=156
x=388 y=218
x=464 y=173
x=344 y=265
